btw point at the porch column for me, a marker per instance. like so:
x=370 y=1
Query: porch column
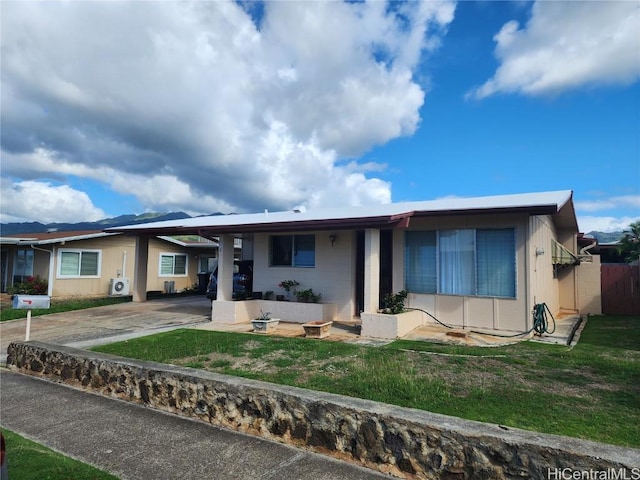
x=140 y=269
x=371 y=270
x=225 y=267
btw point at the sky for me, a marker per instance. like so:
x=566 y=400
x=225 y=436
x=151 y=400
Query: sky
x=121 y=107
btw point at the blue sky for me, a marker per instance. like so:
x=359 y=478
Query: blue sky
x=205 y=107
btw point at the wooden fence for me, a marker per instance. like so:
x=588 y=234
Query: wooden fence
x=620 y=289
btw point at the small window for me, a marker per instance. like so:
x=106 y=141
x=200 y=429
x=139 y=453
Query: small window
x=173 y=264
x=293 y=250
x=79 y=263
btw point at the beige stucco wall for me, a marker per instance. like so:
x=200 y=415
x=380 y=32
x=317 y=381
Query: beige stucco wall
x=589 y=286
x=114 y=249
x=543 y=287
x=469 y=311
x=333 y=276
x=155 y=281
x=567 y=277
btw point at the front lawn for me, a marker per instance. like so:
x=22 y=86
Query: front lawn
x=591 y=391
x=27 y=460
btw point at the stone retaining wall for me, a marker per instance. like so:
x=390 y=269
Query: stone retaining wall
x=404 y=442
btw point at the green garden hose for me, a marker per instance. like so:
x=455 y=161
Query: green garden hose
x=540 y=321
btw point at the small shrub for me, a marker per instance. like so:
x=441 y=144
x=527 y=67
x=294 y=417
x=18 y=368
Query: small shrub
x=394 y=302
x=33 y=285
x=308 y=296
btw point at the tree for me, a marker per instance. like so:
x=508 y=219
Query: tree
x=630 y=243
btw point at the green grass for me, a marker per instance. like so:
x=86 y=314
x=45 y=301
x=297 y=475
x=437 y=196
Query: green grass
x=59 y=306
x=591 y=391
x=27 y=460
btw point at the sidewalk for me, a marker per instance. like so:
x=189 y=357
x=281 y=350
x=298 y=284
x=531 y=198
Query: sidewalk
x=134 y=442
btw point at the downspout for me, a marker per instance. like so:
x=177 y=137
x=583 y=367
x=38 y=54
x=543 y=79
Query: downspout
x=584 y=250
x=50 y=279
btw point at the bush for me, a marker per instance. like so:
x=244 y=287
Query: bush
x=394 y=302
x=33 y=285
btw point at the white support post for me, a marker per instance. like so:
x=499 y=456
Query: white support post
x=371 y=270
x=140 y=269
x=225 y=267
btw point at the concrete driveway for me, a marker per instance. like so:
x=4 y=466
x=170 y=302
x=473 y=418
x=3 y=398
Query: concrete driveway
x=92 y=326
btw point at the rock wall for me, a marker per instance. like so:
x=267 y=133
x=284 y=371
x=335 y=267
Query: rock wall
x=401 y=441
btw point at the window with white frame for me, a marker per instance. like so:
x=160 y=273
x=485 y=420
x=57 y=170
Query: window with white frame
x=292 y=250
x=173 y=264
x=78 y=263
x=476 y=262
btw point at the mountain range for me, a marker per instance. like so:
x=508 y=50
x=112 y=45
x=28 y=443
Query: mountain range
x=37 y=227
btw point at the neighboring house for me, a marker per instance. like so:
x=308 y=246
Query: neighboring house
x=96 y=263
x=472 y=262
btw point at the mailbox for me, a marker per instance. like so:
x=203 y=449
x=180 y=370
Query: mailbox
x=31 y=302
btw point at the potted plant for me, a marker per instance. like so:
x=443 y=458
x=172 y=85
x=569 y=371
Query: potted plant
x=267 y=295
x=288 y=286
x=264 y=323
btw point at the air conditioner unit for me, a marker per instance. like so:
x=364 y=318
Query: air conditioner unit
x=119 y=286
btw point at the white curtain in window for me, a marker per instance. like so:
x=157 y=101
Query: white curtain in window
x=496 y=262
x=457 y=262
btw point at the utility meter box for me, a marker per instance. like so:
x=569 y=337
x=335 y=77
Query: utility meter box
x=31 y=302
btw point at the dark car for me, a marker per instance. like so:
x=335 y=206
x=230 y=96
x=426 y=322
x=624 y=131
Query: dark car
x=242 y=280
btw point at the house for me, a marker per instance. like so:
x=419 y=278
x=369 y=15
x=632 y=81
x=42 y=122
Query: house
x=96 y=263
x=470 y=262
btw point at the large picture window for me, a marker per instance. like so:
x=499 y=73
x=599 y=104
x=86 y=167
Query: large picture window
x=173 y=264
x=78 y=263
x=479 y=262
x=292 y=250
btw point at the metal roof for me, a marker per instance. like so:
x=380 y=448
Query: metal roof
x=370 y=216
x=44 y=238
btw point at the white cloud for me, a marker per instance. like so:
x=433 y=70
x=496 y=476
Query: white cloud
x=626 y=208
x=198 y=106
x=588 y=223
x=565 y=45
x=46 y=203
x=623 y=201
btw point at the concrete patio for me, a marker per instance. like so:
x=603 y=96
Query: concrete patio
x=350 y=332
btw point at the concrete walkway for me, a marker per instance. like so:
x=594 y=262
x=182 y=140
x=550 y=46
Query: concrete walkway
x=134 y=442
